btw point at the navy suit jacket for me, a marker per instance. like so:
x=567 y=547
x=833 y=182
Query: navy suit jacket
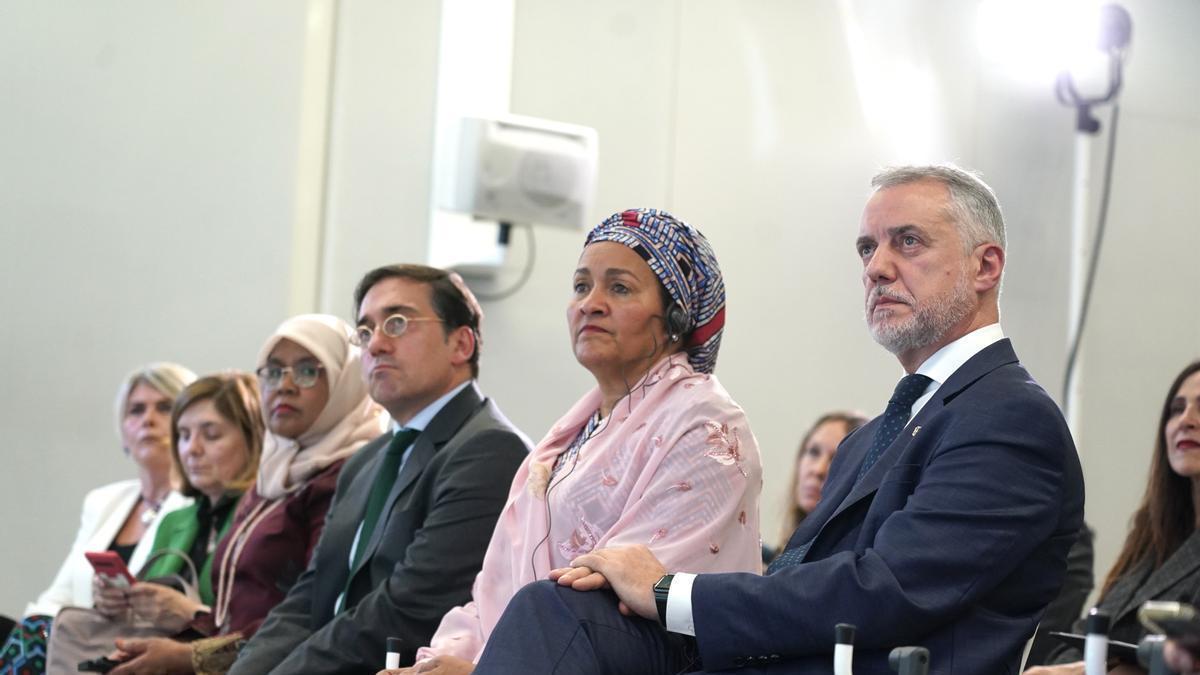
x=955 y=540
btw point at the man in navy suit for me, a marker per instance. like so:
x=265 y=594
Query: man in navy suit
x=945 y=522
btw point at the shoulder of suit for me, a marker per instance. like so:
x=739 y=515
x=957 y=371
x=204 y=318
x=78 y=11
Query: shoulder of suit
x=487 y=425
x=176 y=500
x=365 y=453
x=1014 y=377
x=489 y=418
x=183 y=514
x=113 y=492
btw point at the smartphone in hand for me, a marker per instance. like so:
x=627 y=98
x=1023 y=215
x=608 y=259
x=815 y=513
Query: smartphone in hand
x=110 y=566
x=100 y=665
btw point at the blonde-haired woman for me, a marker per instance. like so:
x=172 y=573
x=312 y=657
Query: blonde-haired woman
x=216 y=431
x=122 y=517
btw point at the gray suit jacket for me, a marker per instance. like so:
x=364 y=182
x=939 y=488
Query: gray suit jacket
x=1178 y=579
x=419 y=562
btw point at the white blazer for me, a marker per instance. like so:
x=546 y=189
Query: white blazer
x=105 y=510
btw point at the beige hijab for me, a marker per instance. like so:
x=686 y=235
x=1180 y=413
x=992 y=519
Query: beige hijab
x=348 y=421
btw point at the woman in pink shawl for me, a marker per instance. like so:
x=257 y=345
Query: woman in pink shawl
x=656 y=454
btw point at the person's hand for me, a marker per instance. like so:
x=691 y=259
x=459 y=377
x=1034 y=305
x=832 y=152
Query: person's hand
x=152 y=656
x=1180 y=660
x=164 y=607
x=438 y=665
x=631 y=572
x=109 y=599
x=582 y=578
x=1064 y=669
x=1126 y=669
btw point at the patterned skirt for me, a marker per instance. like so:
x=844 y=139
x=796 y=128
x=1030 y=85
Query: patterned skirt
x=24 y=652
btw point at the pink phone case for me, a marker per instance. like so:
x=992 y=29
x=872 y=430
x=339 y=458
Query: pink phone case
x=109 y=565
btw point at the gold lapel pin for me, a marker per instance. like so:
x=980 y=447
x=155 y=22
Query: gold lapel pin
x=916 y=429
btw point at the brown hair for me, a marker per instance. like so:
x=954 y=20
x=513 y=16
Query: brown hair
x=235 y=397
x=792 y=513
x=452 y=300
x=1166 y=516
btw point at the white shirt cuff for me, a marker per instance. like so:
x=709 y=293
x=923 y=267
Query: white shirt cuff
x=679 y=604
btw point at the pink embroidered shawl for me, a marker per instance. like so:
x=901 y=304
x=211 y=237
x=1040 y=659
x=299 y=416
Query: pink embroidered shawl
x=674 y=467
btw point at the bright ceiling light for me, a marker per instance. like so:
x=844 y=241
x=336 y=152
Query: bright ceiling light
x=1036 y=40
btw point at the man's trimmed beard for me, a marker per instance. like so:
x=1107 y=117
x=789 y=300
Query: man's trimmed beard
x=929 y=320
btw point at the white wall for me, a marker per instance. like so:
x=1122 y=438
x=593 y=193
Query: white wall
x=381 y=142
x=1145 y=324
x=747 y=119
x=146 y=191
x=149 y=187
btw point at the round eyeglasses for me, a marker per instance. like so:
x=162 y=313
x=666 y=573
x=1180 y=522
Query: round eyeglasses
x=305 y=375
x=393 y=326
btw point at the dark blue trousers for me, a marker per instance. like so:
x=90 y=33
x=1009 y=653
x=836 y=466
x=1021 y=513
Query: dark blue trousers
x=549 y=628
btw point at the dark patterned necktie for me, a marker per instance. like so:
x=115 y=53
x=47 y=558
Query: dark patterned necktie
x=899 y=408
x=895 y=417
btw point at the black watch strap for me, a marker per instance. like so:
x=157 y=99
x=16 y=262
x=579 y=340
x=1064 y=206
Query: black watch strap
x=662 y=589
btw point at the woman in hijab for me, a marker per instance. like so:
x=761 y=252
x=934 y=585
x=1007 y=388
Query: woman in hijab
x=657 y=453
x=317 y=412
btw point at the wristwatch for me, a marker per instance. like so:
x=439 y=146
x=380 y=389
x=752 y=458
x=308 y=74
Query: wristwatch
x=662 y=588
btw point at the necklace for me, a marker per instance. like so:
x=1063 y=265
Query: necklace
x=150 y=509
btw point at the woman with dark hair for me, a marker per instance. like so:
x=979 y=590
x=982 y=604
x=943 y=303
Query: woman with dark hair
x=122 y=517
x=1161 y=556
x=813 y=457
x=657 y=453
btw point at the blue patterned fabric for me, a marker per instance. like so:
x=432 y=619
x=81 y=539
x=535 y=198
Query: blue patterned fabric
x=908 y=390
x=568 y=456
x=24 y=652
x=685 y=263
x=792 y=556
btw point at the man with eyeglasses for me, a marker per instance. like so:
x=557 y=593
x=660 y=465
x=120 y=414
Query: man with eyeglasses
x=415 y=508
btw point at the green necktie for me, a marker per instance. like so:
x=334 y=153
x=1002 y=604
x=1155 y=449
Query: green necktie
x=384 y=479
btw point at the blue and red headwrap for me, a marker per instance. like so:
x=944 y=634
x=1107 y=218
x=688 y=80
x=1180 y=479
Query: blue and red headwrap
x=684 y=262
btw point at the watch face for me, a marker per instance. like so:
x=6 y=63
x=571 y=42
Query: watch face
x=664 y=583
x=662 y=588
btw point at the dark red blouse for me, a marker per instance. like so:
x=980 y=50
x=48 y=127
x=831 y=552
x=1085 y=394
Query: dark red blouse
x=276 y=551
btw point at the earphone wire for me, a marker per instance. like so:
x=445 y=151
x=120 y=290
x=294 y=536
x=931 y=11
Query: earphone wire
x=643 y=384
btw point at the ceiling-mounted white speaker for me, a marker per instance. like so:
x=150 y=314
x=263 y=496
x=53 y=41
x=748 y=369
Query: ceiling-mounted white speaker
x=523 y=170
